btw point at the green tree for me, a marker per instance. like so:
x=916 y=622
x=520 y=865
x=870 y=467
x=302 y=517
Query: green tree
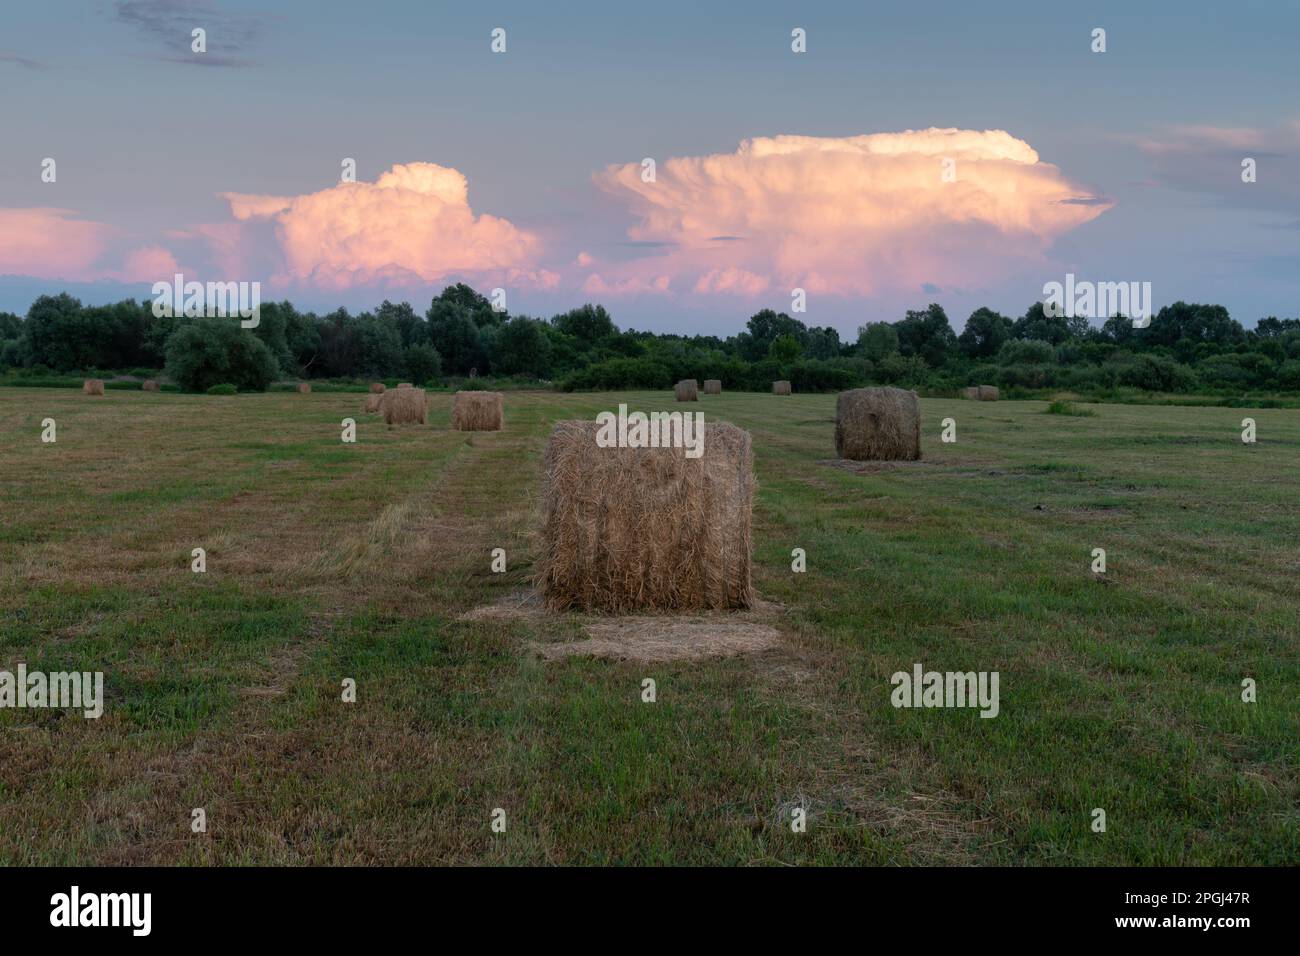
x=423 y=364
x=927 y=335
x=206 y=352
x=877 y=340
x=984 y=333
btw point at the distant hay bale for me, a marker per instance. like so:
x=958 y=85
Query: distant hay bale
x=377 y=388
x=403 y=406
x=878 y=424
x=92 y=386
x=629 y=529
x=477 y=411
x=972 y=393
x=687 y=390
x=989 y=393
x=149 y=385
x=304 y=388
x=712 y=386
x=374 y=403
x=780 y=388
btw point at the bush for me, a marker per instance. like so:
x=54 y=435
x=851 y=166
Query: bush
x=1156 y=373
x=1026 y=352
x=223 y=389
x=620 y=373
x=1068 y=408
x=423 y=364
x=815 y=375
x=206 y=352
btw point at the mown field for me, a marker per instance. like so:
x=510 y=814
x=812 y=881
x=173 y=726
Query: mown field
x=329 y=561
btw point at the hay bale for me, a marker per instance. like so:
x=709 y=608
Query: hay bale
x=972 y=393
x=374 y=403
x=878 y=424
x=989 y=393
x=687 y=390
x=712 y=386
x=478 y=411
x=646 y=528
x=92 y=386
x=149 y=385
x=780 y=388
x=377 y=388
x=403 y=406
x=405 y=385
x=304 y=388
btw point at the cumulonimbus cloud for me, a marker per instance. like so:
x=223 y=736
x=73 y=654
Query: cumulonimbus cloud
x=413 y=224
x=852 y=215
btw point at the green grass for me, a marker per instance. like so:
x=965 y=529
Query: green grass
x=329 y=561
x=1062 y=407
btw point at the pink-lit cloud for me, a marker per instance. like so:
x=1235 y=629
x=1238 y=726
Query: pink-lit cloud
x=412 y=225
x=856 y=215
x=1208 y=160
x=50 y=243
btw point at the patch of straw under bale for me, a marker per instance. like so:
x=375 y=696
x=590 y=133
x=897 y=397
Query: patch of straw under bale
x=304 y=388
x=878 y=424
x=374 y=403
x=687 y=390
x=377 y=388
x=712 y=386
x=92 y=386
x=630 y=529
x=478 y=411
x=149 y=385
x=780 y=388
x=403 y=406
x=989 y=393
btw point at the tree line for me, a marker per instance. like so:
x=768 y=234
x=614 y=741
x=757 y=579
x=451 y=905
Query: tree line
x=1185 y=348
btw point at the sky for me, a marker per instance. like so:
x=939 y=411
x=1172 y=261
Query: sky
x=965 y=154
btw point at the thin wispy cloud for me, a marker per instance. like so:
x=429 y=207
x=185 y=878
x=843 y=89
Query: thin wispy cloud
x=172 y=22
x=25 y=62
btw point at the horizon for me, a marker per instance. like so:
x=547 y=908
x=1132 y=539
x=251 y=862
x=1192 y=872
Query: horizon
x=775 y=170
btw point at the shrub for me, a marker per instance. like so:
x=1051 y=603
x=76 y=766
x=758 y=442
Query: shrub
x=1026 y=352
x=224 y=389
x=621 y=373
x=1069 y=408
x=206 y=352
x=1156 y=373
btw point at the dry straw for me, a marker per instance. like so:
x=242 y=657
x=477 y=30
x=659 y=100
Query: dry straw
x=989 y=393
x=149 y=385
x=972 y=393
x=878 y=424
x=92 y=386
x=304 y=388
x=403 y=406
x=780 y=388
x=377 y=388
x=628 y=529
x=687 y=390
x=374 y=402
x=712 y=386
x=405 y=385
x=478 y=411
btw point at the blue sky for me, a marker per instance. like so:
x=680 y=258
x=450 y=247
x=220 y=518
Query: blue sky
x=147 y=137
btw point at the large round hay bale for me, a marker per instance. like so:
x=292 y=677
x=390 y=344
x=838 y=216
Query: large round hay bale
x=405 y=385
x=403 y=406
x=478 y=411
x=374 y=402
x=972 y=393
x=149 y=385
x=687 y=390
x=712 y=386
x=304 y=388
x=92 y=386
x=989 y=393
x=630 y=529
x=377 y=388
x=878 y=424
x=780 y=388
